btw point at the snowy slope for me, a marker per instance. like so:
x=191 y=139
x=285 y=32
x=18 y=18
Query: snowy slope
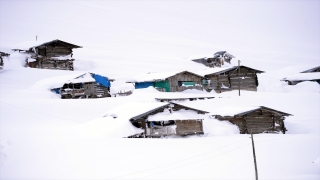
x=45 y=137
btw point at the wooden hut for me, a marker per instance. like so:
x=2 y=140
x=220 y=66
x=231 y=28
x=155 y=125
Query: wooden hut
x=170 y=119
x=229 y=78
x=2 y=54
x=168 y=82
x=253 y=119
x=88 y=85
x=54 y=54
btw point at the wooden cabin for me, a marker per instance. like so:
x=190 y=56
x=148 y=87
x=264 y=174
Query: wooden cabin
x=217 y=60
x=229 y=78
x=168 y=82
x=253 y=119
x=88 y=85
x=2 y=54
x=54 y=54
x=170 y=119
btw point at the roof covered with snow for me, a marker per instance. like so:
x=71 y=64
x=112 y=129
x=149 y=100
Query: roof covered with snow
x=147 y=113
x=26 y=45
x=311 y=70
x=78 y=79
x=217 y=71
x=212 y=70
x=243 y=110
x=176 y=115
x=132 y=109
x=152 y=77
x=31 y=44
x=303 y=77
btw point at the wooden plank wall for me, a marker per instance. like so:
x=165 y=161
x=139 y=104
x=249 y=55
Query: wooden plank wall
x=230 y=79
x=54 y=51
x=259 y=121
x=90 y=90
x=174 y=86
x=188 y=127
x=52 y=64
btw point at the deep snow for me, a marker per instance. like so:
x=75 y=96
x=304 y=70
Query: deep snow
x=45 y=137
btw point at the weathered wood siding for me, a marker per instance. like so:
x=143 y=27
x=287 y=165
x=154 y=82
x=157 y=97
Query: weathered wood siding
x=44 y=56
x=160 y=131
x=263 y=121
x=184 y=76
x=52 y=64
x=88 y=90
x=189 y=127
x=248 y=81
x=260 y=121
x=53 y=51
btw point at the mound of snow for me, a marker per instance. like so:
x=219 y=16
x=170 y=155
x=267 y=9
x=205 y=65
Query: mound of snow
x=269 y=83
x=193 y=91
x=306 y=86
x=107 y=127
x=214 y=127
x=16 y=60
x=284 y=72
x=84 y=65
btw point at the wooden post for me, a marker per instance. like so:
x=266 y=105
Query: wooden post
x=254 y=157
x=239 y=76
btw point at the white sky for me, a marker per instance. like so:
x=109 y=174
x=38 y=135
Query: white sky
x=273 y=27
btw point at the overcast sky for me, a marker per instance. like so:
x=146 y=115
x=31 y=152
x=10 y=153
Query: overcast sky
x=288 y=26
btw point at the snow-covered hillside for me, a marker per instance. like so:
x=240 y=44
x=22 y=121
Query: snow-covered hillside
x=45 y=137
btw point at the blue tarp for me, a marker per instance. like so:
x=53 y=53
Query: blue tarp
x=57 y=90
x=104 y=81
x=141 y=85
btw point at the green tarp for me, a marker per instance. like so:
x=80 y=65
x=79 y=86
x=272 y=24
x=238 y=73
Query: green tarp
x=162 y=84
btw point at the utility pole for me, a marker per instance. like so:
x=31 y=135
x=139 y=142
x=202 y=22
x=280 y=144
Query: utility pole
x=254 y=157
x=239 y=76
x=36 y=38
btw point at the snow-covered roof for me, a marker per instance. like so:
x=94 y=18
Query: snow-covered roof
x=132 y=109
x=212 y=70
x=31 y=44
x=27 y=45
x=83 y=78
x=303 y=77
x=311 y=70
x=78 y=79
x=217 y=71
x=151 y=77
x=232 y=111
x=176 y=115
x=147 y=113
